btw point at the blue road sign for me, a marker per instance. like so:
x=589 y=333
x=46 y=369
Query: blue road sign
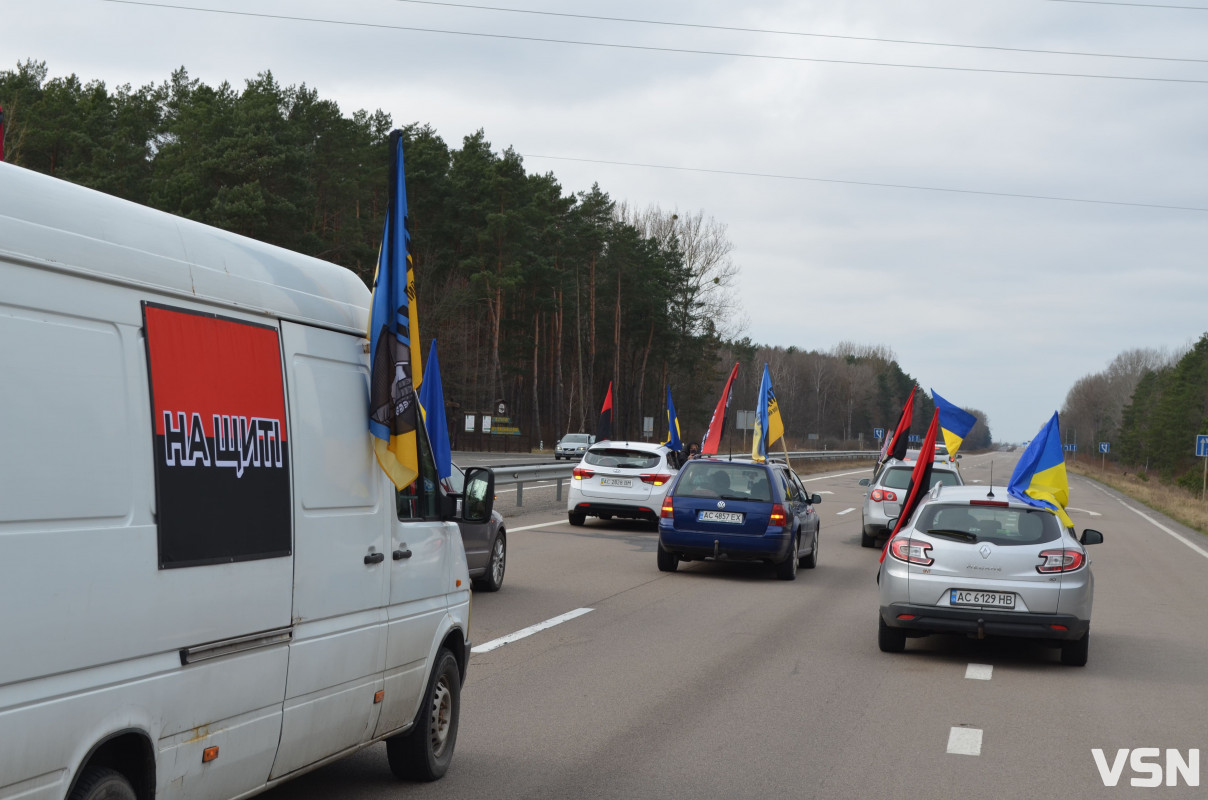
x=914 y=437
x=1071 y=448
x=1105 y=447
x=1201 y=445
x=878 y=433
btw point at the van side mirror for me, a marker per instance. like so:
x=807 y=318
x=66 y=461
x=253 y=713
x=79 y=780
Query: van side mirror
x=1090 y=536
x=478 y=495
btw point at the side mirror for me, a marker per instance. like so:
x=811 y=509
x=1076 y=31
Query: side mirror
x=959 y=456
x=890 y=524
x=865 y=482
x=478 y=495
x=816 y=499
x=1090 y=536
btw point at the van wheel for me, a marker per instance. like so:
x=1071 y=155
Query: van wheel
x=1074 y=654
x=102 y=783
x=576 y=517
x=424 y=752
x=493 y=579
x=787 y=570
x=668 y=562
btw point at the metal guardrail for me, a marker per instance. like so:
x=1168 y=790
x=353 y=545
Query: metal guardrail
x=521 y=474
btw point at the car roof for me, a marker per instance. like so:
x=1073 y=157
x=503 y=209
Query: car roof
x=652 y=447
x=967 y=493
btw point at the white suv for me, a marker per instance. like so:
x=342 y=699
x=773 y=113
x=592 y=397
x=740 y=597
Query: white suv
x=621 y=479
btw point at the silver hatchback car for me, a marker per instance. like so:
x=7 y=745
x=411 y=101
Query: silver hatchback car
x=887 y=492
x=982 y=564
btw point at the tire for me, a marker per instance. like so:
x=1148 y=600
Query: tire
x=1074 y=654
x=102 y=783
x=493 y=578
x=811 y=561
x=867 y=539
x=787 y=570
x=576 y=517
x=668 y=562
x=424 y=752
x=890 y=640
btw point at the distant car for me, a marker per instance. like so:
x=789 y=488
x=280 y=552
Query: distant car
x=620 y=479
x=887 y=492
x=982 y=564
x=739 y=511
x=573 y=446
x=486 y=543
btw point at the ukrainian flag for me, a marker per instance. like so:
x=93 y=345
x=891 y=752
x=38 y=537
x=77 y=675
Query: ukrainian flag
x=955 y=423
x=1039 y=478
x=394 y=345
x=673 y=428
x=768 y=425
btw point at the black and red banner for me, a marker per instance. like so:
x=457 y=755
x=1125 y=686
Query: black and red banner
x=221 y=449
x=604 y=426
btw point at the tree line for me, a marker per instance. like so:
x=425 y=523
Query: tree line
x=538 y=297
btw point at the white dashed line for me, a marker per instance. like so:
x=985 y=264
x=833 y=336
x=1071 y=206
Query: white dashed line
x=965 y=741
x=979 y=672
x=844 y=511
x=540 y=525
x=486 y=647
x=836 y=475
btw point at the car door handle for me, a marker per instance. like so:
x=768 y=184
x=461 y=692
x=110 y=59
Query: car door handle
x=375 y=558
x=399 y=555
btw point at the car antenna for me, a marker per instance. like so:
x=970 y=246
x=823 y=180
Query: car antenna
x=990 y=494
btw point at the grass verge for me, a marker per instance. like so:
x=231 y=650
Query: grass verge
x=1173 y=501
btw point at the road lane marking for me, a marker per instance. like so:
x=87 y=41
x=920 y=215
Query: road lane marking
x=965 y=741
x=979 y=672
x=844 y=511
x=1156 y=524
x=1084 y=511
x=836 y=475
x=539 y=525
x=487 y=647
x=824 y=491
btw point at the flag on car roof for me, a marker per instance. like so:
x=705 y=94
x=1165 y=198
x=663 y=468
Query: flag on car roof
x=920 y=480
x=604 y=427
x=673 y=428
x=768 y=425
x=1039 y=478
x=717 y=423
x=432 y=403
x=901 y=433
x=395 y=370
x=955 y=422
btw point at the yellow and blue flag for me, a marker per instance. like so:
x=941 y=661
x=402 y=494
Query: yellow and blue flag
x=1039 y=478
x=432 y=403
x=673 y=428
x=955 y=422
x=768 y=425
x=395 y=371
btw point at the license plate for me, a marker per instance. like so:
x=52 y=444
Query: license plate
x=720 y=516
x=968 y=597
x=616 y=481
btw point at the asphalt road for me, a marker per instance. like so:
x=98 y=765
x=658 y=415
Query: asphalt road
x=719 y=681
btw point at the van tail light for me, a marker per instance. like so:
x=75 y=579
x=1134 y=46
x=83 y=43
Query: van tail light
x=655 y=478
x=668 y=510
x=580 y=473
x=779 y=516
x=883 y=495
x=1053 y=561
x=912 y=551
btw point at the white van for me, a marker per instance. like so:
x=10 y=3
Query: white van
x=206 y=587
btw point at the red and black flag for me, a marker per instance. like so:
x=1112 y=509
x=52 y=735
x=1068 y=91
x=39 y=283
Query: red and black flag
x=604 y=428
x=901 y=433
x=717 y=424
x=920 y=479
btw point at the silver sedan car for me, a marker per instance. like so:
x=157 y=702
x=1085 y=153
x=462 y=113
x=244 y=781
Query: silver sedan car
x=980 y=564
x=887 y=492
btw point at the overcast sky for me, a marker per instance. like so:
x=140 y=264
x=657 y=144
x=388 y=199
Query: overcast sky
x=1000 y=303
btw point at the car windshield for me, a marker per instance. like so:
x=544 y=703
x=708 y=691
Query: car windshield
x=899 y=478
x=995 y=524
x=575 y=438
x=726 y=481
x=622 y=457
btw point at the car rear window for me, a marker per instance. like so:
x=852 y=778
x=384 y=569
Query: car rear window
x=575 y=438
x=900 y=478
x=1004 y=526
x=725 y=480
x=622 y=457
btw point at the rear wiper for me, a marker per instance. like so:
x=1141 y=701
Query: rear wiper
x=963 y=536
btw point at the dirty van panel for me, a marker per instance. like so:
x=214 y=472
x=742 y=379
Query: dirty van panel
x=221 y=447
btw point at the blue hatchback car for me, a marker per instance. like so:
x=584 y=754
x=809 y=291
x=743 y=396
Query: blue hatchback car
x=731 y=510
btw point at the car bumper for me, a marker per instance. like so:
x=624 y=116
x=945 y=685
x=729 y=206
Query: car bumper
x=595 y=509
x=983 y=622
x=694 y=546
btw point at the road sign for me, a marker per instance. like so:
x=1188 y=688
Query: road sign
x=1201 y=445
x=1071 y=448
x=1105 y=447
x=745 y=420
x=914 y=437
x=878 y=433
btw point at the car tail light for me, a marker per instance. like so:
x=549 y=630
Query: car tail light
x=655 y=478
x=912 y=551
x=668 y=509
x=883 y=495
x=580 y=473
x=778 y=516
x=1053 y=561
